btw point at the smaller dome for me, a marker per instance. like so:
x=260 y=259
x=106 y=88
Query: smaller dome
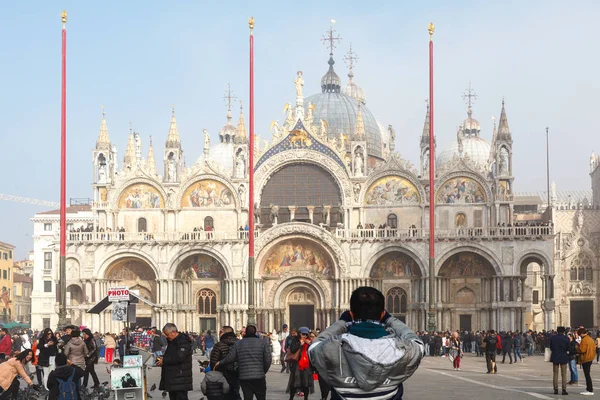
x=471 y=126
x=353 y=90
x=330 y=82
x=222 y=154
x=474 y=147
x=228 y=132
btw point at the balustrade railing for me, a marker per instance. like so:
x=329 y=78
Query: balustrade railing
x=196 y=236
x=414 y=233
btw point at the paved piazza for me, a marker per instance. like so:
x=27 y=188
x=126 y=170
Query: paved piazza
x=435 y=379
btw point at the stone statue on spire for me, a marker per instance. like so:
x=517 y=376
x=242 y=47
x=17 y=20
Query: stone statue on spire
x=299 y=85
x=206 y=141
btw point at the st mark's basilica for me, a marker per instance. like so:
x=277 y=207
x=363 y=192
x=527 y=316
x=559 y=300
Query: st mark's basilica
x=336 y=208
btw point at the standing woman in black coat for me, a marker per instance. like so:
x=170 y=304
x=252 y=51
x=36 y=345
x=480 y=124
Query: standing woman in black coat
x=301 y=379
x=47 y=346
x=91 y=359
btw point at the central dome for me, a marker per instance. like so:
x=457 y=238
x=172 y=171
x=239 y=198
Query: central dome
x=340 y=110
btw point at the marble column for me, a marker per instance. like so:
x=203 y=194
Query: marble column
x=292 y=212
x=311 y=212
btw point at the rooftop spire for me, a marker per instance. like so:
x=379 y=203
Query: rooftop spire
x=227 y=133
x=228 y=98
x=503 y=131
x=173 y=138
x=359 y=131
x=330 y=81
x=150 y=162
x=129 y=159
x=241 y=128
x=426 y=127
x=352 y=89
x=103 y=141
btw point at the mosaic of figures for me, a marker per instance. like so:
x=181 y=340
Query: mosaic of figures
x=394 y=265
x=201 y=266
x=466 y=265
x=207 y=193
x=130 y=270
x=297 y=255
x=391 y=190
x=461 y=191
x=141 y=195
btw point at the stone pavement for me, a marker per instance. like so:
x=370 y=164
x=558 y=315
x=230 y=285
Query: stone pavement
x=436 y=379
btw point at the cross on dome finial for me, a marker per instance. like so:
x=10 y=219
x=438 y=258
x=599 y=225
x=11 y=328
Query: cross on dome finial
x=469 y=96
x=329 y=40
x=229 y=96
x=351 y=58
x=103 y=112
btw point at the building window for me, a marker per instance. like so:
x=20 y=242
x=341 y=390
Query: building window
x=47 y=286
x=47 y=261
x=581 y=268
x=207 y=302
x=208 y=222
x=10 y=254
x=15 y=293
x=396 y=302
x=392 y=221
x=47 y=227
x=536 y=297
x=9 y=274
x=6 y=256
x=46 y=322
x=142 y=225
x=4 y=276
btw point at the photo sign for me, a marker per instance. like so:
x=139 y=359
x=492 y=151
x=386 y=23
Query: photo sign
x=118 y=294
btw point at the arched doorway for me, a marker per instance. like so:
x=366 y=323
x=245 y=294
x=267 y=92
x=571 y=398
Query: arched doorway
x=136 y=274
x=301 y=307
x=532 y=279
x=300 y=186
x=464 y=286
x=74 y=300
x=201 y=281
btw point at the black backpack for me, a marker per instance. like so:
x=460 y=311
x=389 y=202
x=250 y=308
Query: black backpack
x=67 y=390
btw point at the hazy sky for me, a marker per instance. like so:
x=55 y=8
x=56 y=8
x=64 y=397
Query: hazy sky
x=138 y=57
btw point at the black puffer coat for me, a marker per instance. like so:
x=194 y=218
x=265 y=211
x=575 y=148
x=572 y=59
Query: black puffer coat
x=92 y=356
x=176 y=374
x=220 y=351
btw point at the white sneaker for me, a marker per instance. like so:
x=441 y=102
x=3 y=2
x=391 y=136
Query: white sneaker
x=586 y=393
x=458 y=369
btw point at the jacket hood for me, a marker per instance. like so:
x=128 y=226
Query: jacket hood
x=372 y=361
x=228 y=338
x=77 y=340
x=63 y=372
x=213 y=376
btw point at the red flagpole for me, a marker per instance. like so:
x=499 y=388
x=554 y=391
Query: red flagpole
x=432 y=314
x=62 y=315
x=251 y=309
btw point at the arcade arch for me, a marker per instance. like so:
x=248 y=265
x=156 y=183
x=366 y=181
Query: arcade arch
x=136 y=274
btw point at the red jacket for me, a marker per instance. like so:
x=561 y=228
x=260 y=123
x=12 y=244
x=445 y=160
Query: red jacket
x=6 y=345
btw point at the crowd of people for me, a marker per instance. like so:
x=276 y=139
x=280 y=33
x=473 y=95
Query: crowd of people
x=239 y=361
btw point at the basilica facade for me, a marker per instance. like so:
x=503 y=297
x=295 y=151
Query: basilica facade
x=336 y=208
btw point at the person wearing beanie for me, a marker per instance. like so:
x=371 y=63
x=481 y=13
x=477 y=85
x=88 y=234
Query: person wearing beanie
x=76 y=350
x=63 y=371
x=559 y=344
x=587 y=352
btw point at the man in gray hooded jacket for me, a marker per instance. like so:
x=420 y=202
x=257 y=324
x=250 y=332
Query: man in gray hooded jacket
x=367 y=353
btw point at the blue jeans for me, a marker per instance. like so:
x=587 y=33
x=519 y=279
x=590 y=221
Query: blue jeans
x=573 y=369
x=517 y=352
x=530 y=350
x=208 y=350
